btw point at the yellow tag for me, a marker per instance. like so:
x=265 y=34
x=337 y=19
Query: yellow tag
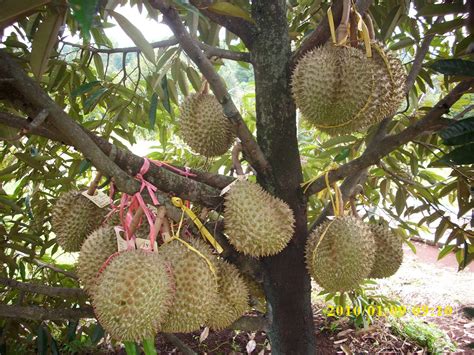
x=100 y=199
x=205 y=233
x=331 y=26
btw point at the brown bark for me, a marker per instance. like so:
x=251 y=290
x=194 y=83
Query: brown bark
x=286 y=281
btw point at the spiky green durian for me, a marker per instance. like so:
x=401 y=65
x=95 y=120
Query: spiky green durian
x=389 y=251
x=340 y=253
x=232 y=299
x=95 y=250
x=74 y=217
x=133 y=295
x=332 y=86
x=389 y=92
x=256 y=223
x=203 y=125
x=195 y=271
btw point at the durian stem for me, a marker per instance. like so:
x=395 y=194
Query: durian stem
x=159 y=221
x=342 y=30
x=353 y=207
x=135 y=220
x=353 y=30
x=94 y=184
x=204 y=87
x=235 y=159
x=370 y=25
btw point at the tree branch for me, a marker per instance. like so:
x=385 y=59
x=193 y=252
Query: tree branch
x=432 y=121
x=249 y=145
x=42 y=313
x=322 y=33
x=64 y=292
x=209 y=50
x=238 y=26
x=65 y=125
x=134 y=163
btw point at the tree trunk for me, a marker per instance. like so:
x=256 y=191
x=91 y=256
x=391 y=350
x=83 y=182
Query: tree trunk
x=286 y=281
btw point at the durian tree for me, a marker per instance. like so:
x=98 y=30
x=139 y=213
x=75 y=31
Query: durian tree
x=255 y=88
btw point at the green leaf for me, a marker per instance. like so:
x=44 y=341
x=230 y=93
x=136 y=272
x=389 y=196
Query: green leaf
x=131 y=348
x=13 y=10
x=403 y=43
x=445 y=251
x=228 y=9
x=458 y=67
x=442 y=9
x=152 y=112
x=390 y=22
x=44 y=40
x=149 y=346
x=135 y=35
x=97 y=334
x=400 y=201
x=166 y=96
x=443 y=27
x=80 y=90
x=85 y=165
x=343 y=154
x=462 y=155
x=83 y=12
x=99 y=65
x=194 y=78
x=458 y=133
x=42 y=340
x=94 y=98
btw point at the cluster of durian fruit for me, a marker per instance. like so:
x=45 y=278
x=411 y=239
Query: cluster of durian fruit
x=137 y=293
x=344 y=251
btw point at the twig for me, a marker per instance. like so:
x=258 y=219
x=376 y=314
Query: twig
x=208 y=49
x=54 y=268
x=235 y=159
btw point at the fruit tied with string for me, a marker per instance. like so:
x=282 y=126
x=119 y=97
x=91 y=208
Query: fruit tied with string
x=195 y=271
x=340 y=253
x=233 y=297
x=74 y=217
x=133 y=295
x=332 y=85
x=340 y=88
x=203 y=125
x=389 y=251
x=95 y=250
x=256 y=223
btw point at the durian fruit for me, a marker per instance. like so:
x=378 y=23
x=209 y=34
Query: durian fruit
x=256 y=223
x=204 y=127
x=196 y=284
x=389 y=255
x=390 y=77
x=133 y=295
x=332 y=86
x=344 y=256
x=233 y=297
x=74 y=217
x=95 y=250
